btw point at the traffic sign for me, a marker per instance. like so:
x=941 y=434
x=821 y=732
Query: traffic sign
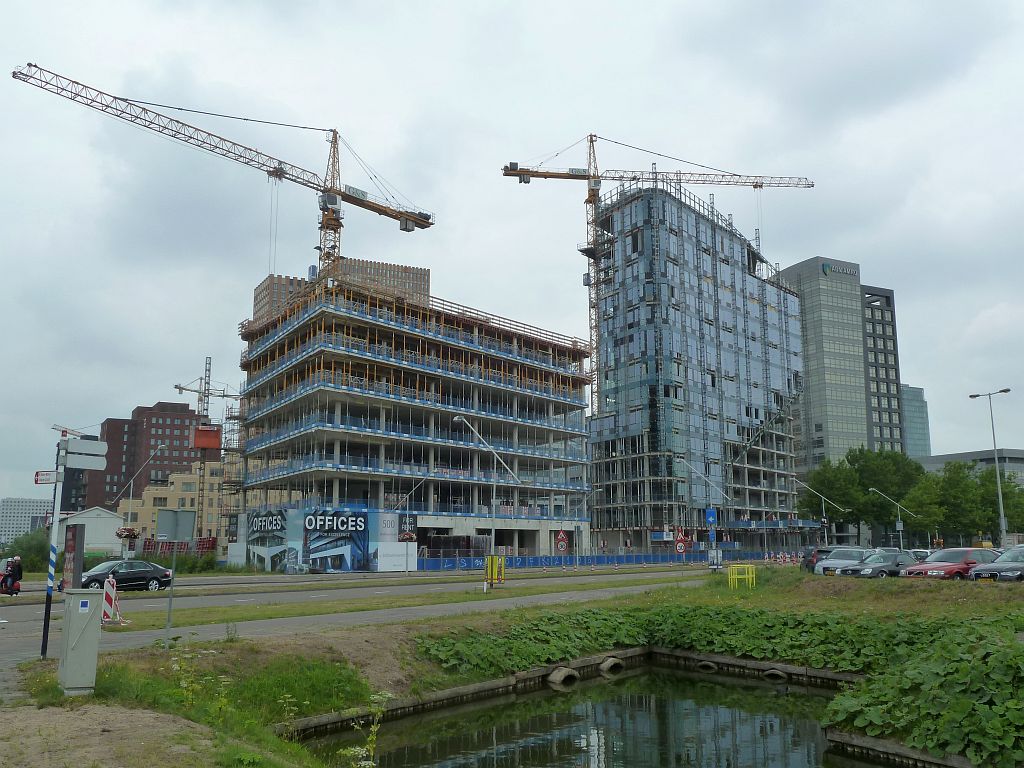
x=711 y=515
x=899 y=525
x=562 y=545
x=712 y=536
x=562 y=536
x=88 y=447
x=681 y=547
x=47 y=477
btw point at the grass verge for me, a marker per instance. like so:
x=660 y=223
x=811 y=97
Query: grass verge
x=145 y=620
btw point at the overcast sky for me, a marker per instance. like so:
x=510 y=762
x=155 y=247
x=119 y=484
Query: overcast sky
x=128 y=258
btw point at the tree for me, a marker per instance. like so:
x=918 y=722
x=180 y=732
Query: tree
x=1013 y=499
x=837 y=483
x=34 y=549
x=965 y=513
x=925 y=501
x=892 y=473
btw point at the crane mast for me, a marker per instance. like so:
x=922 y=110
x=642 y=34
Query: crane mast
x=594 y=249
x=329 y=187
x=204 y=392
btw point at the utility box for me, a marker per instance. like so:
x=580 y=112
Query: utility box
x=79 y=641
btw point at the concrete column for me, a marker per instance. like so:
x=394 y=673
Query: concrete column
x=515 y=541
x=474 y=498
x=336 y=490
x=380 y=495
x=337 y=412
x=430 y=458
x=383 y=417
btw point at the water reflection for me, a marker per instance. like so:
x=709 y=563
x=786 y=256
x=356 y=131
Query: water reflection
x=649 y=720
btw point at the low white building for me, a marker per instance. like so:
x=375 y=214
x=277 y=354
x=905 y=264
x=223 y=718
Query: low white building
x=100 y=530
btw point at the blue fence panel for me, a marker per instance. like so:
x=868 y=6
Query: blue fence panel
x=560 y=561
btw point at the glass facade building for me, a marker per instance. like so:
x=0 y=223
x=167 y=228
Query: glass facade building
x=852 y=393
x=699 y=361
x=916 y=433
x=831 y=413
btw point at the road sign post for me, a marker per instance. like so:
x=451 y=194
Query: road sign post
x=72 y=453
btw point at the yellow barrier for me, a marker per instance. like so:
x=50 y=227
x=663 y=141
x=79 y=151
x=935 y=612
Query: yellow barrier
x=745 y=573
x=494 y=569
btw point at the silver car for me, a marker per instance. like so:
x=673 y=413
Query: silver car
x=841 y=557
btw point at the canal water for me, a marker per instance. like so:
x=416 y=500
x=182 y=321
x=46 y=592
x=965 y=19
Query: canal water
x=651 y=720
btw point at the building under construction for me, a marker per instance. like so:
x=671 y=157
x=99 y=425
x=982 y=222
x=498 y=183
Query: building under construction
x=351 y=412
x=699 y=362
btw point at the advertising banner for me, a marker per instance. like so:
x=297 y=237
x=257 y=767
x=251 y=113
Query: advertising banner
x=327 y=540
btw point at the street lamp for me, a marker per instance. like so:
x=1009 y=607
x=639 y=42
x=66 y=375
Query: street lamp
x=131 y=483
x=709 y=481
x=494 y=480
x=823 y=500
x=899 y=520
x=995 y=454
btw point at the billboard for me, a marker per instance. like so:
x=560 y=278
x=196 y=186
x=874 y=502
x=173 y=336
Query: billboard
x=325 y=539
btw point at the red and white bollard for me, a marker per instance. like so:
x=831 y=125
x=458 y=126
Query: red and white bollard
x=111 y=608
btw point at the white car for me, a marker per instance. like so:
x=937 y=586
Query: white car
x=841 y=557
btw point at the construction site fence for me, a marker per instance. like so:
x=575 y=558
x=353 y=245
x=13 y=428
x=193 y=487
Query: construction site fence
x=198 y=547
x=476 y=562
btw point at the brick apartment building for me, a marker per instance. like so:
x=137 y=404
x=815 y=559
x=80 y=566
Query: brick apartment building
x=133 y=444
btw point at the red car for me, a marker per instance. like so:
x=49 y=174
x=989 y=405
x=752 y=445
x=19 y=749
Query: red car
x=953 y=563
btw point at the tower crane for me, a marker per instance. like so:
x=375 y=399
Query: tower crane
x=596 y=237
x=331 y=192
x=204 y=392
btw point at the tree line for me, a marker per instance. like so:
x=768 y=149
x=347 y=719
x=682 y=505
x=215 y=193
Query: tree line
x=959 y=501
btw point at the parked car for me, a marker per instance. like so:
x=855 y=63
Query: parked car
x=920 y=554
x=840 y=557
x=1009 y=566
x=952 y=563
x=129 y=574
x=879 y=565
x=809 y=556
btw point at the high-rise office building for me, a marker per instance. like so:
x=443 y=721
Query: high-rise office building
x=882 y=371
x=20 y=516
x=916 y=432
x=700 y=361
x=851 y=396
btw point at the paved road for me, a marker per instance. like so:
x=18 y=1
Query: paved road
x=22 y=614
x=20 y=639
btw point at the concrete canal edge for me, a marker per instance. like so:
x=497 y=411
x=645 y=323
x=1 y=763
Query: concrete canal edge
x=891 y=752
x=564 y=675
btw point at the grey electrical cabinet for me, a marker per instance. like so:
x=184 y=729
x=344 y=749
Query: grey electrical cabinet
x=79 y=641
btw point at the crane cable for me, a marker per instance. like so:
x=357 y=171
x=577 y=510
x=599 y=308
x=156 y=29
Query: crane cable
x=668 y=157
x=229 y=117
x=387 y=190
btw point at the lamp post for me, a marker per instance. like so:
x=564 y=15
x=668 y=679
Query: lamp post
x=131 y=483
x=724 y=494
x=995 y=455
x=823 y=500
x=494 y=480
x=899 y=520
